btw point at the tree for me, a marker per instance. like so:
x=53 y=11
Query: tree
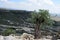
x=42 y=17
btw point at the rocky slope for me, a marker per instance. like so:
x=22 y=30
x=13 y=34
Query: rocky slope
x=17 y=20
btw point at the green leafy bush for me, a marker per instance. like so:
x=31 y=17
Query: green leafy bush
x=8 y=31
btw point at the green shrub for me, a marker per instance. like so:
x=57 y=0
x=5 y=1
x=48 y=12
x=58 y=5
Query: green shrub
x=8 y=31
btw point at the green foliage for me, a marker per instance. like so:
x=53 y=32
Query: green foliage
x=41 y=17
x=8 y=32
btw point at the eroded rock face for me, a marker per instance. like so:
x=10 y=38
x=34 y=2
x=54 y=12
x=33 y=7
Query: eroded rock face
x=1 y=37
x=26 y=36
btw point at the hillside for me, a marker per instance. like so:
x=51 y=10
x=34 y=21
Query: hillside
x=13 y=18
x=17 y=19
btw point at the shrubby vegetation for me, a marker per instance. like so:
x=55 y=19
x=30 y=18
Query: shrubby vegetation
x=8 y=31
